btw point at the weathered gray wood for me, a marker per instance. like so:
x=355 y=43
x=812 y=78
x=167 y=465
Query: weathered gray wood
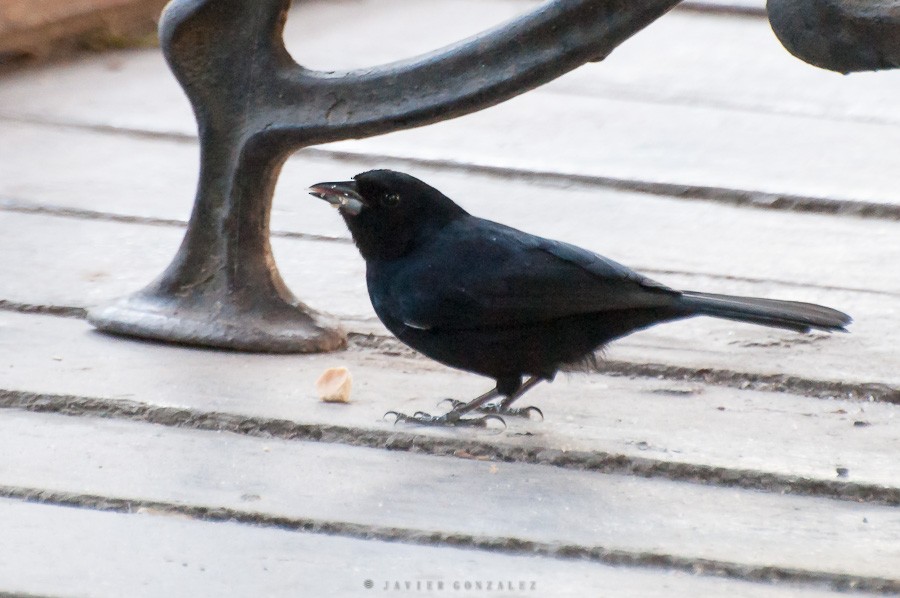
x=72 y=262
x=59 y=261
x=668 y=422
x=651 y=233
x=325 y=482
x=74 y=552
x=677 y=145
x=732 y=64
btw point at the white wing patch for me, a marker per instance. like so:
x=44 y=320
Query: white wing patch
x=416 y=325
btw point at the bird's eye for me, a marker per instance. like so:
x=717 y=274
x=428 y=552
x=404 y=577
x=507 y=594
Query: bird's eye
x=391 y=200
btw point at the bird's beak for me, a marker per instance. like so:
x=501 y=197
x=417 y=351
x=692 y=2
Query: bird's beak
x=343 y=196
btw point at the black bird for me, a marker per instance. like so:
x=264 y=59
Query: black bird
x=489 y=299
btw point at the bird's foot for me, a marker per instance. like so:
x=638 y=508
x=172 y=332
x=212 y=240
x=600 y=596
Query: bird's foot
x=498 y=409
x=451 y=418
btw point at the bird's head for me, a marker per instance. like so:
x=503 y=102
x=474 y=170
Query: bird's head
x=388 y=213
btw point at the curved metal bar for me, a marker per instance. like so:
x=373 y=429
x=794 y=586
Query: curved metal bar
x=468 y=76
x=254 y=106
x=839 y=35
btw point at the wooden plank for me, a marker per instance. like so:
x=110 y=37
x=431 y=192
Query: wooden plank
x=672 y=145
x=718 y=434
x=54 y=261
x=650 y=233
x=665 y=135
x=67 y=552
x=322 y=482
x=730 y=64
x=81 y=263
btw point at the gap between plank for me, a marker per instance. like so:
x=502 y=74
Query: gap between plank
x=506 y=545
x=600 y=462
x=19 y=206
x=8 y=204
x=816 y=389
x=721 y=195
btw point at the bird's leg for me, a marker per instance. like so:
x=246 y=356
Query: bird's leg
x=503 y=407
x=454 y=416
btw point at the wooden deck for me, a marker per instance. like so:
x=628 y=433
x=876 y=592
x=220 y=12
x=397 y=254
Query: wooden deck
x=705 y=459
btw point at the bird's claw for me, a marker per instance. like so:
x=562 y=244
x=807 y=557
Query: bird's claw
x=522 y=412
x=454 y=403
x=451 y=418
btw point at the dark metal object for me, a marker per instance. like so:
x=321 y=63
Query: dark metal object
x=839 y=35
x=255 y=106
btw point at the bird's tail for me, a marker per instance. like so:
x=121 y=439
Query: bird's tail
x=792 y=315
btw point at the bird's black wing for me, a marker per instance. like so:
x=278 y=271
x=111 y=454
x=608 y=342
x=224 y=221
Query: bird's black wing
x=478 y=274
